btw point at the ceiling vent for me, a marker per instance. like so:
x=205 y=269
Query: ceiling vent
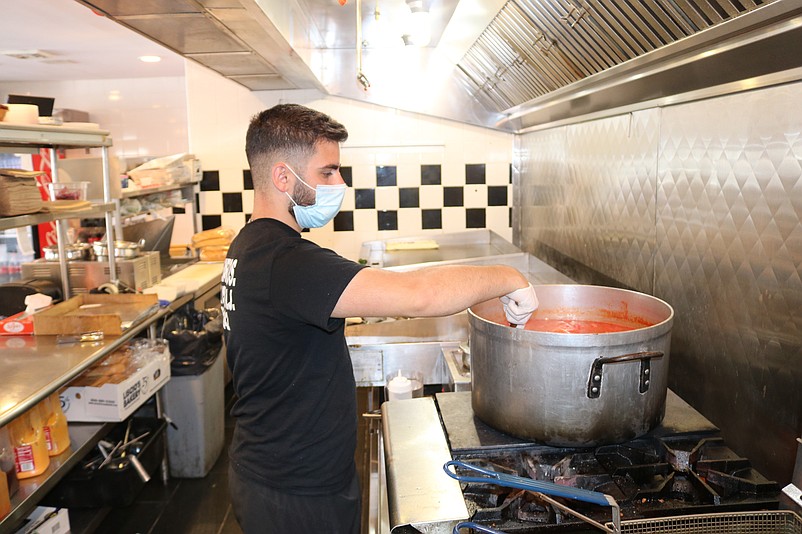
x=27 y=54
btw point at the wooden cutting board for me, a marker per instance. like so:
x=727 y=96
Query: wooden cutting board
x=65 y=205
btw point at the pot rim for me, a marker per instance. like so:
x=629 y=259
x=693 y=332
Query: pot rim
x=578 y=339
x=118 y=244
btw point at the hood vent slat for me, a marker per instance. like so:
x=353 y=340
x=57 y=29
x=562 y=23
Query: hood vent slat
x=570 y=35
x=534 y=47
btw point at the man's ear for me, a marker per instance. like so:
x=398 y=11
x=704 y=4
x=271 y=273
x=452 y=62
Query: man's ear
x=279 y=176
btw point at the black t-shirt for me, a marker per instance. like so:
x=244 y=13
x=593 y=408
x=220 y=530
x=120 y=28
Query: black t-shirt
x=295 y=410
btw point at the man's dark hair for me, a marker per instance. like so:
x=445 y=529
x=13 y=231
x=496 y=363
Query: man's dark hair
x=289 y=131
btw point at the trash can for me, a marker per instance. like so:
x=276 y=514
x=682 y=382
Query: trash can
x=194 y=397
x=195 y=404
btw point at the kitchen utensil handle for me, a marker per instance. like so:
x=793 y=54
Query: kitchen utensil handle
x=528 y=484
x=475 y=526
x=140 y=469
x=144 y=314
x=597 y=371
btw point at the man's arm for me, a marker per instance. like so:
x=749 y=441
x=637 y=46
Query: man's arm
x=427 y=292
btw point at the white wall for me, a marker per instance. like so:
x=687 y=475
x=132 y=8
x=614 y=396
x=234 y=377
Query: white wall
x=208 y=115
x=219 y=112
x=147 y=117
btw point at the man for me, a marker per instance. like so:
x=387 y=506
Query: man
x=284 y=303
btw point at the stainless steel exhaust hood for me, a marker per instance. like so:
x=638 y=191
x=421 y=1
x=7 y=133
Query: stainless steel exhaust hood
x=232 y=37
x=529 y=63
x=555 y=59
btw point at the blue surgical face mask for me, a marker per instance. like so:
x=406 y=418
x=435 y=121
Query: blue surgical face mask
x=328 y=200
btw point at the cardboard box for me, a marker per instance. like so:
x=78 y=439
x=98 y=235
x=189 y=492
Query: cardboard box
x=91 y=312
x=20 y=324
x=46 y=520
x=115 y=402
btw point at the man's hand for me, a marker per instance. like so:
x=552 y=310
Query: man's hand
x=520 y=305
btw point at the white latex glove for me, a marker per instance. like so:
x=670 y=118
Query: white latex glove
x=520 y=305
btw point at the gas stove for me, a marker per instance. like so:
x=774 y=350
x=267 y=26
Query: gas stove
x=682 y=467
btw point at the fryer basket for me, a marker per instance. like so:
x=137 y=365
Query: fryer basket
x=764 y=522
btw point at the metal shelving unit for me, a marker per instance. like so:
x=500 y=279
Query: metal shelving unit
x=96 y=210
x=158 y=189
x=188 y=191
x=33 y=368
x=36 y=368
x=31 y=138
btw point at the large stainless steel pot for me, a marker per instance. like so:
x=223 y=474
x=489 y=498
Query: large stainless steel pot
x=572 y=389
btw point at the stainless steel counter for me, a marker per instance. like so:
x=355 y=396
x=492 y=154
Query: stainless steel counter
x=450 y=247
x=420 y=493
x=384 y=346
x=35 y=366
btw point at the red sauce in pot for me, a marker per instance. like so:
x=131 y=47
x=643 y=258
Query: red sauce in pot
x=578 y=321
x=576 y=326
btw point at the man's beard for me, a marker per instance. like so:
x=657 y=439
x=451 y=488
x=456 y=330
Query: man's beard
x=302 y=195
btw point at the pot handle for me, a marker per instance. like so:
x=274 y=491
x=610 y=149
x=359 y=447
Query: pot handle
x=596 y=370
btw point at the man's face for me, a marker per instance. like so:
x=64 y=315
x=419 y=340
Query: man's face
x=323 y=168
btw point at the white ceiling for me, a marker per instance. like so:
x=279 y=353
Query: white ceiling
x=81 y=44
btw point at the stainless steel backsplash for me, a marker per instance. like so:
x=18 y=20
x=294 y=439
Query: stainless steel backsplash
x=699 y=204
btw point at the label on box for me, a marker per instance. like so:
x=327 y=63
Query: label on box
x=23 y=459
x=46 y=520
x=114 y=402
x=19 y=324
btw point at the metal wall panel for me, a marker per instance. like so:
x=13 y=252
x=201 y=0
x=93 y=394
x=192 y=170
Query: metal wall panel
x=700 y=205
x=588 y=193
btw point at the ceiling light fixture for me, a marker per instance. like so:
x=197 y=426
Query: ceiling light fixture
x=419 y=25
x=150 y=59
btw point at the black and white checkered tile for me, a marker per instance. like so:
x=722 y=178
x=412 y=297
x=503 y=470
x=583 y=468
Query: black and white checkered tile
x=380 y=203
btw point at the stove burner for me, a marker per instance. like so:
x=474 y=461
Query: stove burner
x=648 y=477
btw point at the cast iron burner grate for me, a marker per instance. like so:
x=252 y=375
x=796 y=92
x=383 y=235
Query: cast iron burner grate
x=648 y=477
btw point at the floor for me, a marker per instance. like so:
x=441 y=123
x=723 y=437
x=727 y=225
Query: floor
x=196 y=506
x=201 y=506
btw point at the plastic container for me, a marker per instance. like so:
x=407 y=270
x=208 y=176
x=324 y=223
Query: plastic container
x=7 y=461
x=30 y=448
x=404 y=384
x=5 y=496
x=55 y=425
x=68 y=190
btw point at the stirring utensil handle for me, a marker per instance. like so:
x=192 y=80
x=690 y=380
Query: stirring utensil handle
x=475 y=526
x=510 y=481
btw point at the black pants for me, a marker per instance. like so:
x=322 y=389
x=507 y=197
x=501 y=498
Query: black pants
x=260 y=509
